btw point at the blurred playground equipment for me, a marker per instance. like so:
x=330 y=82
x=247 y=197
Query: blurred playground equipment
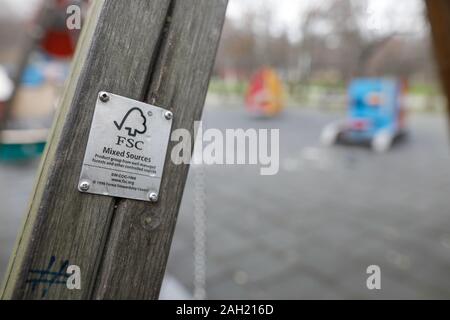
x=265 y=94
x=375 y=114
x=30 y=89
x=22 y=136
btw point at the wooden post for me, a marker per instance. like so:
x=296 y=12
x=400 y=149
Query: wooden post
x=438 y=12
x=159 y=51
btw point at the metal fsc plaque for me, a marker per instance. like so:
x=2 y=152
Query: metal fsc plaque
x=126 y=149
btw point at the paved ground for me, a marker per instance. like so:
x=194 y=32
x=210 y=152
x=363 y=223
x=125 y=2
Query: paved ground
x=312 y=230
x=16 y=183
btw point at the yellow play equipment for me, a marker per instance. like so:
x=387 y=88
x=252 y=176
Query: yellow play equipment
x=265 y=94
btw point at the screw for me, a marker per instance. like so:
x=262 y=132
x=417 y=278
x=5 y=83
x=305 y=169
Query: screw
x=148 y=220
x=153 y=197
x=168 y=115
x=104 y=96
x=84 y=186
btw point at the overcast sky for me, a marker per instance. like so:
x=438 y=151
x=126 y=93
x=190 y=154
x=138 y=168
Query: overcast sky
x=19 y=8
x=384 y=16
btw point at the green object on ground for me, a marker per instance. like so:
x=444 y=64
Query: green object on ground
x=13 y=152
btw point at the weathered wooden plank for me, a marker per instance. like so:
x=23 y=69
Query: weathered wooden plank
x=438 y=12
x=115 y=53
x=137 y=249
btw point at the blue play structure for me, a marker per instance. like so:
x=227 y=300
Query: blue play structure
x=375 y=114
x=23 y=148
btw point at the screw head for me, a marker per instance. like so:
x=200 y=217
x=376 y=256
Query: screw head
x=148 y=220
x=84 y=186
x=153 y=196
x=168 y=115
x=104 y=96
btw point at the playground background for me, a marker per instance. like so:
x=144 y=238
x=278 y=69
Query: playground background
x=313 y=229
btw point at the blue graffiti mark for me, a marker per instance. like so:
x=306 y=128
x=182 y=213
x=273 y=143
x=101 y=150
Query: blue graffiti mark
x=48 y=277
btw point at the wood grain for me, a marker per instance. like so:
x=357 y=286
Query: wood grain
x=438 y=12
x=115 y=53
x=136 y=255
